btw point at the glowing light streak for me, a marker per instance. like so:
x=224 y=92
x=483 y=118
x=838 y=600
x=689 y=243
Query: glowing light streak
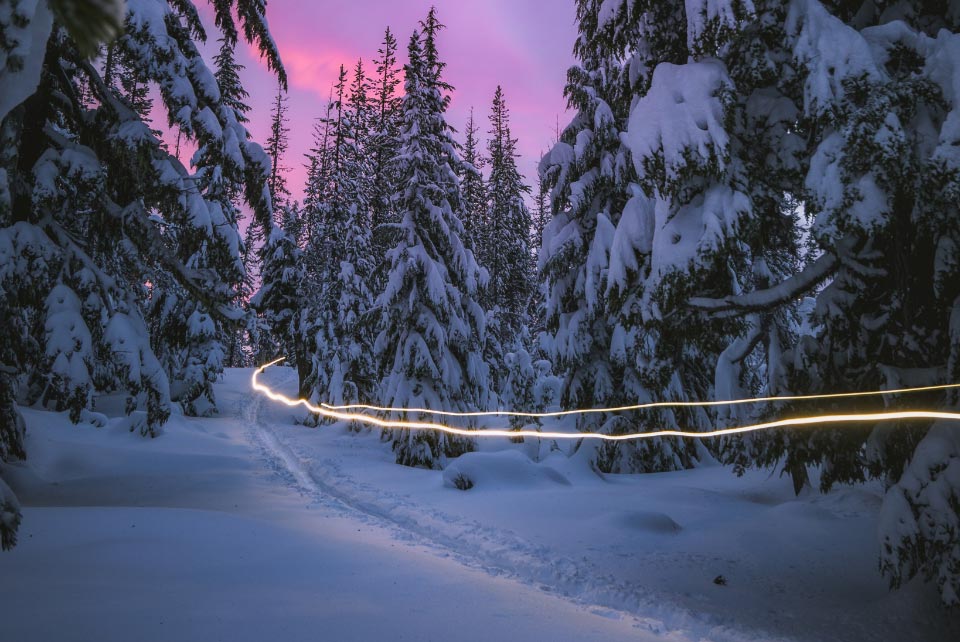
x=332 y=413
x=642 y=406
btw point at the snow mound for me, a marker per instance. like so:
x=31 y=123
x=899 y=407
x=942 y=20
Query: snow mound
x=647 y=521
x=504 y=470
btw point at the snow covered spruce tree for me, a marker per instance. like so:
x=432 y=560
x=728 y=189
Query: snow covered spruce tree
x=600 y=321
x=385 y=121
x=851 y=112
x=279 y=301
x=96 y=215
x=343 y=367
x=271 y=329
x=237 y=338
x=539 y=218
x=277 y=144
x=714 y=209
x=431 y=325
x=507 y=230
x=474 y=191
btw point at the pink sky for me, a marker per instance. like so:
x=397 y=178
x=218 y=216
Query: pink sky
x=523 y=45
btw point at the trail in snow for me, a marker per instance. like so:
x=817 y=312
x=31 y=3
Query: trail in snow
x=191 y=537
x=497 y=552
x=641 y=546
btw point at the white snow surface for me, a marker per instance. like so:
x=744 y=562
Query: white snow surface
x=248 y=526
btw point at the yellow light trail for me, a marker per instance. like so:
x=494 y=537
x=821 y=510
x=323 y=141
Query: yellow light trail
x=427 y=425
x=640 y=406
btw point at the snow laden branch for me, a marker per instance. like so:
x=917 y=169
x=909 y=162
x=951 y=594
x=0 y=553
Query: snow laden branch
x=768 y=298
x=134 y=219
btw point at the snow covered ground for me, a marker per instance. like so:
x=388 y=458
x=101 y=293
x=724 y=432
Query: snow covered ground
x=249 y=527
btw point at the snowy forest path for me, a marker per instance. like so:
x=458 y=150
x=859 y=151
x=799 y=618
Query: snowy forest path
x=212 y=531
x=497 y=552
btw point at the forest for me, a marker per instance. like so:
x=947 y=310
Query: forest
x=748 y=199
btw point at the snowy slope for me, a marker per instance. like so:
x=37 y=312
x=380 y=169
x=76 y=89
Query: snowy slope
x=248 y=527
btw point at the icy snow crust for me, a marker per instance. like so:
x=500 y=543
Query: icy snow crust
x=249 y=527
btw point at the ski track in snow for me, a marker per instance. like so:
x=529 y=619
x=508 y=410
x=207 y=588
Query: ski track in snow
x=497 y=552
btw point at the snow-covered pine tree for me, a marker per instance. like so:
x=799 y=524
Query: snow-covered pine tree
x=119 y=74
x=474 y=191
x=279 y=301
x=277 y=145
x=382 y=147
x=540 y=216
x=237 y=339
x=709 y=212
x=318 y=175
x=343 y=368
x=507 y=230
x=361 y=114
x=431 y=326
x=594 y=333
x=851 y=110
x=92 y=206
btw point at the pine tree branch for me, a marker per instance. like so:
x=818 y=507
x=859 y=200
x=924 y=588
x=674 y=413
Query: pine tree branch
x=65 y=239
x=760 y=300
x=146 y=238
x=134 y=220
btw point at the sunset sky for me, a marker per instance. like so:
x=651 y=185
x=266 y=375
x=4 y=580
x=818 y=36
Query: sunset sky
x=524 y=45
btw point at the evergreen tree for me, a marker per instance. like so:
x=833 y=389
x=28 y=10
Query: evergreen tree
x=431 y=326
x=540 y=217
x=343 y=371
x=227 y=72
x=594 y=333
x=474 y=192
x=96 y=215
x=120 y=75
x=277 y=145
x=318 y=179
x=743 y=113
x=382 y=146
x=237 y=339
x=361 y=112
x=279 y=301
x=507 y=232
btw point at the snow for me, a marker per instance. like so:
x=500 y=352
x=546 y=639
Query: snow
x=679 y=119
x=247 y=527
x=683 y=235
x=26 y=33
x=608 y=11
x=832 y=52
x=722 y=13
x=634 y=235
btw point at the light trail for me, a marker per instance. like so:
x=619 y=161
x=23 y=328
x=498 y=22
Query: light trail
x=332 y=413
x=641 y=406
